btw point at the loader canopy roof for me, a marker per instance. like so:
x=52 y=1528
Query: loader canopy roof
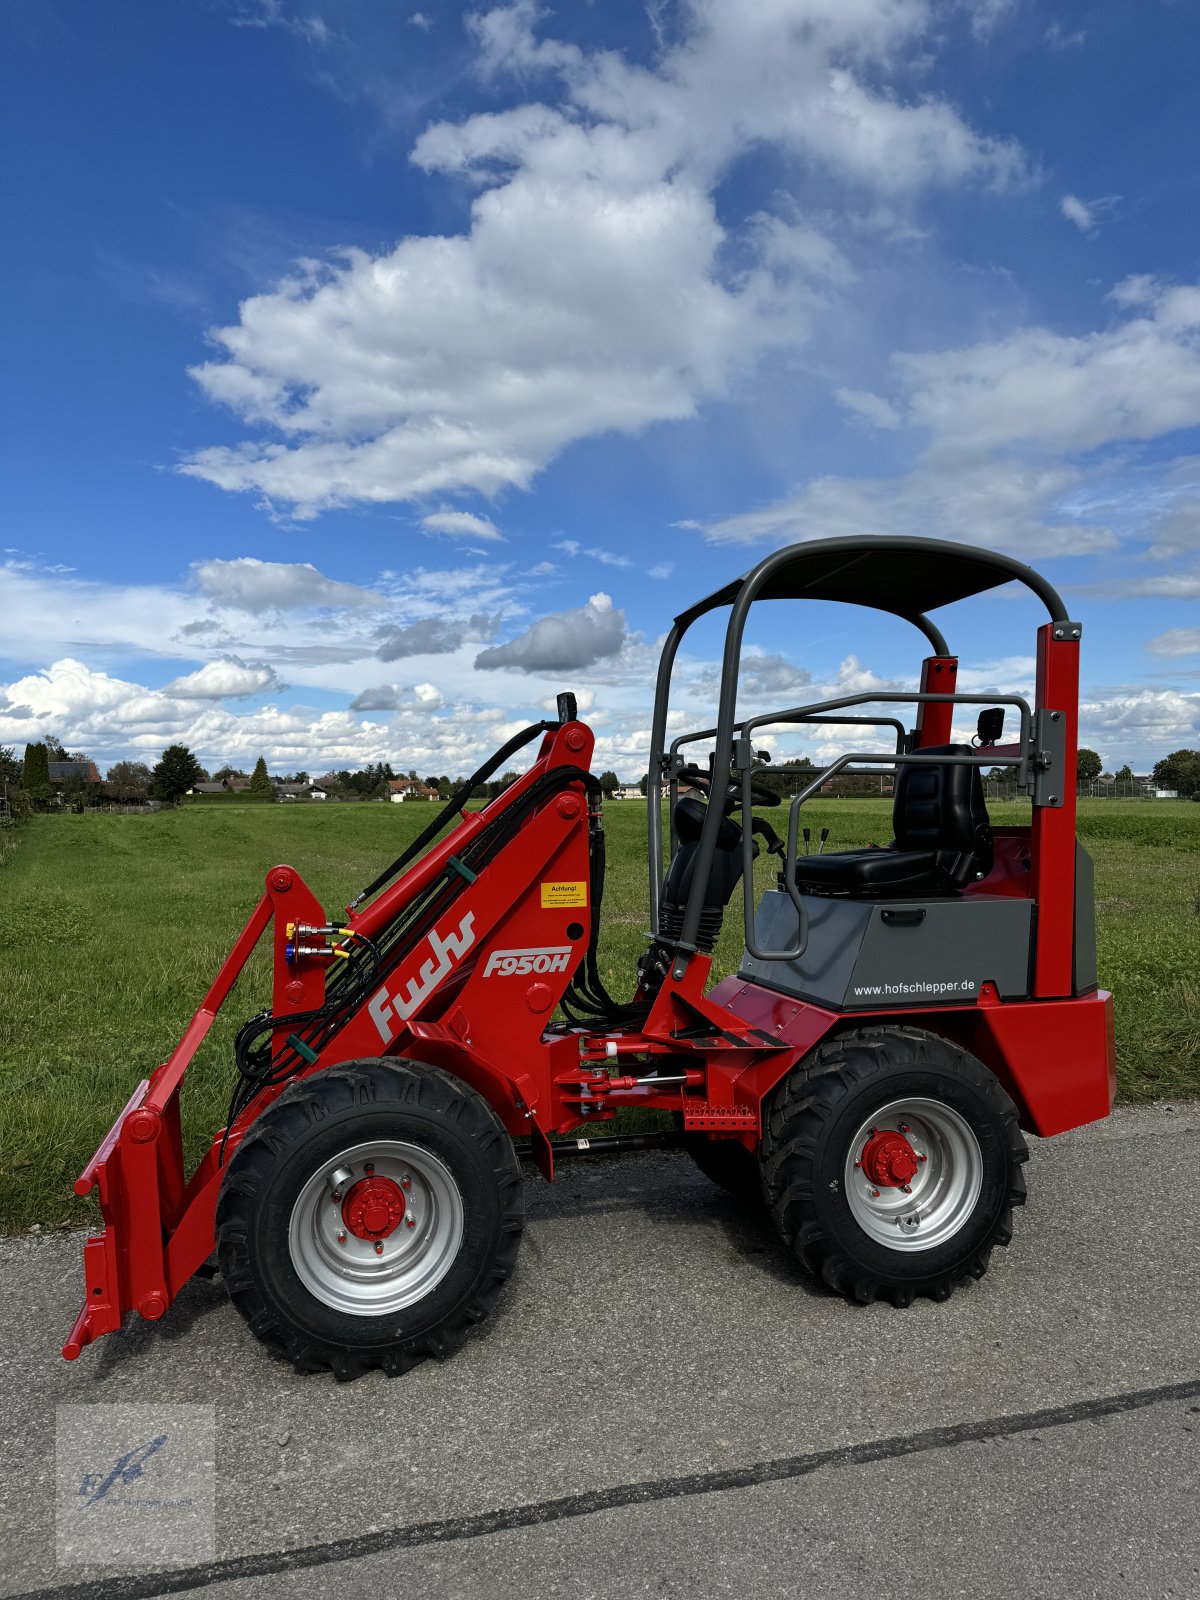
x=907 y=577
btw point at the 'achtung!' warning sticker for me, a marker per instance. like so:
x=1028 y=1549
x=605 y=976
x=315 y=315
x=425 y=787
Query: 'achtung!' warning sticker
x=564 y=894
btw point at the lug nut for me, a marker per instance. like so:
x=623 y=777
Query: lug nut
x=341 y=1238
x=379 y=1247
x=874 y=1193
x=410 y=1222
x=922 y=1158
x=907 y=1188
x=406 y=1182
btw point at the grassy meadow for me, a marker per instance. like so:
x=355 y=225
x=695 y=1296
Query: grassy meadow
x=112 y=927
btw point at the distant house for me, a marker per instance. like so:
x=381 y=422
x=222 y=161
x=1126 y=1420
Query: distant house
x=1151 y=789
x=632 y=791
x=70 y=771
x=221 y=786
x=410 y=789
x=300 y=791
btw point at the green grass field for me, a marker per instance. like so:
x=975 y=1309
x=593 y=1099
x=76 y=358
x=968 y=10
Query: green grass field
x=112 y=927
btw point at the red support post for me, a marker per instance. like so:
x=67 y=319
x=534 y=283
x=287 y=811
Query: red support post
x=296 y=985
x=935 y=718
x=169 y=1076
x=1052 y=835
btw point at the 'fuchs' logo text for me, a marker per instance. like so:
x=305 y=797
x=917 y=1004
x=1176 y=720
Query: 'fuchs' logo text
x=448 y=950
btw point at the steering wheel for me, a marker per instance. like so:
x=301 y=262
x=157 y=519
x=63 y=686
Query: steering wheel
x=759 y=795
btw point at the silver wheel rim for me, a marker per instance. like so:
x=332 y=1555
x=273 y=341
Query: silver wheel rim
x=943 y=1191
x=349 y=1273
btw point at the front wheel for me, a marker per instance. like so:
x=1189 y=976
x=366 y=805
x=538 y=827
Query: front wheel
x=891 y=1163
x=370 y=1217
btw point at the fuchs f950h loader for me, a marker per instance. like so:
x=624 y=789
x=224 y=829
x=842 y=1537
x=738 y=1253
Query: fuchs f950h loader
x=900 y=1016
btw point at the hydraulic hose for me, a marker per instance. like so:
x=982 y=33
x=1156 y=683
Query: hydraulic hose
x=453 y=806
x=586 y=1001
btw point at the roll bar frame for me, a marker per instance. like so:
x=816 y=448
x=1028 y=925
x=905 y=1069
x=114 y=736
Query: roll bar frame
x=727 y=724
x=1022 y=761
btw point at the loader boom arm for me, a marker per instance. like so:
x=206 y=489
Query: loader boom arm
x=408 y=971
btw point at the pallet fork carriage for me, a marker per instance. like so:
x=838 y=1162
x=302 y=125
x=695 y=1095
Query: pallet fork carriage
x=899 y=1017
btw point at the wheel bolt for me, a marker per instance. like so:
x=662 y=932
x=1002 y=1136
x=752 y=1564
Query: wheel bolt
x=410 y=1222
x=341 y=1238
x=857 y=1164
x=903 y=1129
x=369 y=1167
x=406 y=1182
x=379 y=1247
x=874 y=1193
x=907 y=1188
x=922 y=1158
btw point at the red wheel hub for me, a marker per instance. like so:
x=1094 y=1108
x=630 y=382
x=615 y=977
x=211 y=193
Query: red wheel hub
x=888 y=1160
x=373 y=1208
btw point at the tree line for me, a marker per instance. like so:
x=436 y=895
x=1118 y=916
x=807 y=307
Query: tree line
x=26 y=785
x=29 y=787
x=1179 y=771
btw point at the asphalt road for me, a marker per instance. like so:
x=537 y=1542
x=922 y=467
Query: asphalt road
x=661 y=1405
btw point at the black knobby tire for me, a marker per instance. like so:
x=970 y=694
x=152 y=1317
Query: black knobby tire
x=729 y=1164
x=408 y=1106
x=810 y=1124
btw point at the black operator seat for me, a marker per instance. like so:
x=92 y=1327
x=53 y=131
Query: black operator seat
x=943 y=838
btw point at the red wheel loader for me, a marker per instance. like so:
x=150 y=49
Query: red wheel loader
x=901 y=1015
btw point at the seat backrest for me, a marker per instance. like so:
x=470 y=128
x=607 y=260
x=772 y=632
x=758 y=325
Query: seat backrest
x=941 y=808
x=723 y=877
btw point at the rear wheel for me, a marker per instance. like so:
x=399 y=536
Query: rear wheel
x=370 y=1217
x=891 y=1163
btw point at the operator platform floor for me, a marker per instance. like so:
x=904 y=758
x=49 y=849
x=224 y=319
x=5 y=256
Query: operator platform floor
x=662 y=1405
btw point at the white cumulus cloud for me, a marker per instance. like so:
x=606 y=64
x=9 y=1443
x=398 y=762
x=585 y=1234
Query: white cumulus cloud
x=1177 y=642
x=115 y=719
x=383 y=697
x=1133 y=720
x=461 y=525
x=563 y=641
x=593 y=290
x=226 y=678
x=253 y=585
x=872 y=408
x=1008 y=424
x=1087 y=215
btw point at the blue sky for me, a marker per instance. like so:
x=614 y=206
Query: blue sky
x=375 y=371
